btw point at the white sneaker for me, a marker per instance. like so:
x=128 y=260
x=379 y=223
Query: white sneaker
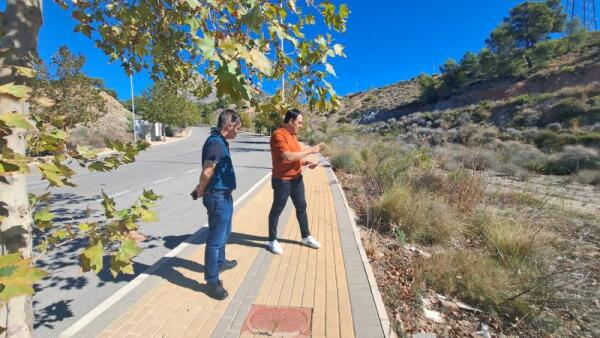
x=311 y=242
x=275 y=248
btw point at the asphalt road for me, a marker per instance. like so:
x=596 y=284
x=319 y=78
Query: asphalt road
x=171 y=170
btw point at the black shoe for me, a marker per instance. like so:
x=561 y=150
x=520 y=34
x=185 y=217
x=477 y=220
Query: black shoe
x=228 y=265
x=217 y=291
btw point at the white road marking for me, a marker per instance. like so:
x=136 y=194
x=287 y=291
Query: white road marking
x=192 y=171
x=163 y=180
x=115 y=195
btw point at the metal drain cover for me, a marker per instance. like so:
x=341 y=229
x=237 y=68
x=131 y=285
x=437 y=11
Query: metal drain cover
x=278 y=321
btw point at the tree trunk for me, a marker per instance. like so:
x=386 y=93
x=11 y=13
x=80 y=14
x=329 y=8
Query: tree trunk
x=21 y=24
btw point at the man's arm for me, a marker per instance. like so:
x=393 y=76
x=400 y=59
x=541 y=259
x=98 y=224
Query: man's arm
x=214 y=152
x=300 y=155
x=208 y=170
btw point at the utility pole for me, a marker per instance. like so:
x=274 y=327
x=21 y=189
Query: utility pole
x=132 y=105
x=282 y=53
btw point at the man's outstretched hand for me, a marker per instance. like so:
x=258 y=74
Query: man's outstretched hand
x=317 y=149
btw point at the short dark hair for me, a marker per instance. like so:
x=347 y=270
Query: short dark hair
x=291 y=114
x=228 y=116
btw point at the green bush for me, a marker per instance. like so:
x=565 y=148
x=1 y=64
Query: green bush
x=429 y=88
x=424 y=217
x=542 y=53
x=169 y=131
x=565 y=110
x=344 y=161
x=572 y=159
x=549 y=140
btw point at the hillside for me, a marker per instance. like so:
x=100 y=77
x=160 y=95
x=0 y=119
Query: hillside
x=114 y=125
x=575 y=69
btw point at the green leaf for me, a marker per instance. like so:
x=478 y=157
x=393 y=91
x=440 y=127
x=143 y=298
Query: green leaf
x=109 y=205
x=55 y=172
x=120 y=265
x=230 y=82
x=60 y=234
x=149 y=194
x=7 y=167
x=193 y=3
x=87 y=152
x=344 y=11
x=194 y=23
x=12 y=162
x=148 y=215
x=6 y=271
x=18 y=91
x=17 y=278
x=9 y=259
x=253 y=19
x=100 y=166
x=129 y=248
x=207 y=46
x=81 y=16
x=91 y=257
x=121 y=261
x=43 y=215
x=24 y=71
x=85 y=29
x=43 y=219
x=84 y=227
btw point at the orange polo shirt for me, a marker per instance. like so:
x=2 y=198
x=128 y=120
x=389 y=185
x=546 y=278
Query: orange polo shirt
x=281 y=141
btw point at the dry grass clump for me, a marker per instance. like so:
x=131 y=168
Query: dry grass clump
x=424 y=217
x=478 y=279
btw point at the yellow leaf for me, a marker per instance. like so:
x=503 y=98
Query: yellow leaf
x=261 y=62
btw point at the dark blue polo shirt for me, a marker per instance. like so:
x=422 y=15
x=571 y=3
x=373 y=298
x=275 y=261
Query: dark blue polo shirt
x=216 y=149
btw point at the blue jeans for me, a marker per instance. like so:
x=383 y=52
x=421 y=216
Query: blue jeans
x=219 y=206
x=282 y=190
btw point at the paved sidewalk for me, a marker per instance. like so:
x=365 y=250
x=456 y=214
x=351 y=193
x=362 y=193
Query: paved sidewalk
x=333 y=283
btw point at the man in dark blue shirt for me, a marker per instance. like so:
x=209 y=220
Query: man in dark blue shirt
x=217 y=181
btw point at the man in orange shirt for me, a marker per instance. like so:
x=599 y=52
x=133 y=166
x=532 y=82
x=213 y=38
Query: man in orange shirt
x=288 y=159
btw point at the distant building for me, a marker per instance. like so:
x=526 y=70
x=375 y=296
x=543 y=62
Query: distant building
x=148 y=130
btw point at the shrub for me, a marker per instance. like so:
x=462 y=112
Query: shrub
x=428 y=181
x=572 y=159
x=469 y=158
x=516 y=158
x=542 y=53
x=511 y=243
x=565 y=110
x=587 y=176
x=549 y=140
x=477 y=279
x=169 y=131
x=344 y=161
x=429 y=88
x=522 y=100
x=465 y=189
x=424 y=217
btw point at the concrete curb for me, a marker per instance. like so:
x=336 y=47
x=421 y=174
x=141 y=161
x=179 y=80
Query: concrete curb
x=383 y=317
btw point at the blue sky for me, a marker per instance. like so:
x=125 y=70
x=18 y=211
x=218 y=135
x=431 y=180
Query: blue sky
x=387 y=41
